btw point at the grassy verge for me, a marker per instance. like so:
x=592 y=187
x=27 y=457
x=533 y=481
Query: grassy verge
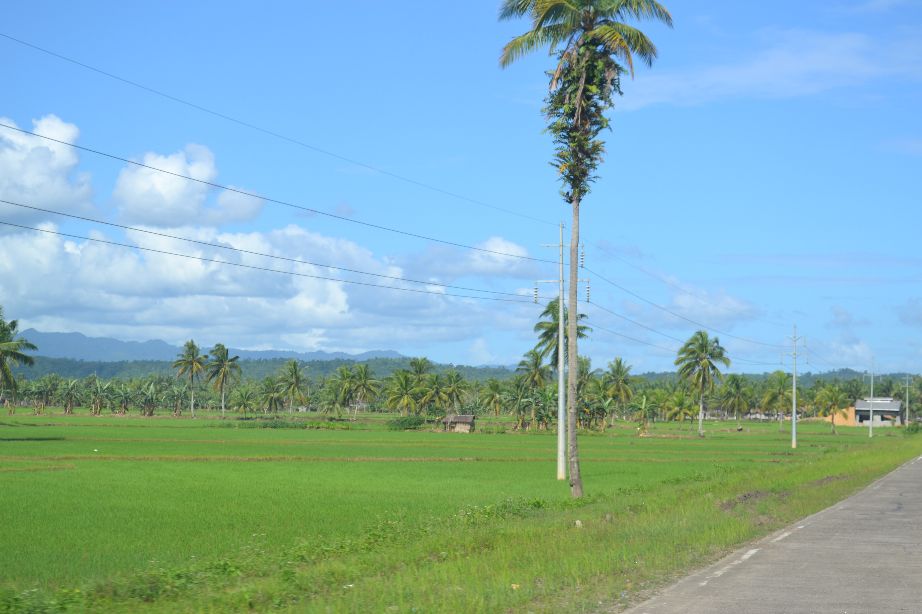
x=401 y=521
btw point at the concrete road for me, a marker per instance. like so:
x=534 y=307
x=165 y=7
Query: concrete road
x=863 y=555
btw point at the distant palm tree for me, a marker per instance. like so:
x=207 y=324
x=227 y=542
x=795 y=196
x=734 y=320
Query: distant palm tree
x=492 y=396
x=12 y=350
x=433 y=396
x=420 y=367
x=697 y=361
x=778 y=395
x=244 y=398
x=342 y=385
x=618 y=382
x=190 y=362
x=454 y=387
x=735 y=395
x=222 y=369
x=70 y=395
x=678 y=406
x=364 y=387
x=293 y=383
x=122 y=396
x=402 y=392
x=99 y=395
x=548 y=331
x=832 y=401
x=534 y=372
x=271 y=395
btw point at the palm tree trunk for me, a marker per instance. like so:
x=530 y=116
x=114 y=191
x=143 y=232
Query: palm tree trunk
x=222 y=399
x=192 y=396
x=833 y=424
x=576 y=481
x=701 y=416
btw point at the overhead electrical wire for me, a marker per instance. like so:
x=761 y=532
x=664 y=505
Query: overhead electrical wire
x=277 y=201
x=263 y=269
x=677 y=315
x=274 y=134
x=635 y=322
x=254 y=253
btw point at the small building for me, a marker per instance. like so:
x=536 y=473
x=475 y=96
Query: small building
x=459 y=424
x=884 y=411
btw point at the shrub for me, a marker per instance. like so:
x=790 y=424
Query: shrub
x=406 y=423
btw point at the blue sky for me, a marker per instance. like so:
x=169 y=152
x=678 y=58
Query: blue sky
x=765 y=172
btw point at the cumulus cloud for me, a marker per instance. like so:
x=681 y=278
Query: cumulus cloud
x=41 y=173
x=101 y=289
x=153 y=198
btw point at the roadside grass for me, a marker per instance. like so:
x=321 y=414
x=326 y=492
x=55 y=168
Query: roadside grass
x=129 y=514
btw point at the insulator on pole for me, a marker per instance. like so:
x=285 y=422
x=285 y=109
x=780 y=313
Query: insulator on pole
x=582 y=256
x=588 y=291
x=536 y=294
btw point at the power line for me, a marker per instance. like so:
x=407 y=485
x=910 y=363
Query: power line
x=635 y=322
x=634 y=339
x=667 y=281
x=275 y=200
x=254 y=253
x=258 y=268
x=687 y=319
x=276 y=135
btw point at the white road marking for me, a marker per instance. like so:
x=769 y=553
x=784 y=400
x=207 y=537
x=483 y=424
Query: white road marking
x=780 y=537
x=727 y=568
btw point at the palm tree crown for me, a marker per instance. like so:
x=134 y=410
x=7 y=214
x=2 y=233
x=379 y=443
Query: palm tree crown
x=11 y=351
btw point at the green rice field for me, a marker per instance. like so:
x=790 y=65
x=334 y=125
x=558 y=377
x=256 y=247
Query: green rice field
x=167 y=515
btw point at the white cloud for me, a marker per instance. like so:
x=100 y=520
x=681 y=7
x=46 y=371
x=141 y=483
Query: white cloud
x=41 y=173
x=793 y=63
x=154 y=198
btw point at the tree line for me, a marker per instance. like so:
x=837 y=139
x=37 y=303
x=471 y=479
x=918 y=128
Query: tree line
x=213 y=381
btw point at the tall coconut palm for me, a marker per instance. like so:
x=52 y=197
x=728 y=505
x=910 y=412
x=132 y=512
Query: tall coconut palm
x=548 y=327
x=293 y=383
x=698 y=362
x=222 y=369
x=12 y=351
x=594 y=47
x=735 y=395
x=832 y=401
x=190 y=362
x=618 y=381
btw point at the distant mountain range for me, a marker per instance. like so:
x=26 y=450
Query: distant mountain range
x=78 y=346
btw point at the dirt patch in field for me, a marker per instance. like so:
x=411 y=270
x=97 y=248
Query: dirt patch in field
x=828 y=479
x=747 y=497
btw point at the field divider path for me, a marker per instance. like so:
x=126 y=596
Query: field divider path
x=860 y=555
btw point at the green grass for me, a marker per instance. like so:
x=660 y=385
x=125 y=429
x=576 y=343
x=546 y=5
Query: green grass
x=127 y=514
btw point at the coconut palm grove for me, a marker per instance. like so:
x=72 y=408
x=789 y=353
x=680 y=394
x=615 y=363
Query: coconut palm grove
x=520 y=444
